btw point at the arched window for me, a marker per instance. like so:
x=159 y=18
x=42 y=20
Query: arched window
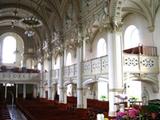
x=101 y=48
x=68 y=61
x=8 y=51
x=131 y=37
x=57 y=63
x=39 y=66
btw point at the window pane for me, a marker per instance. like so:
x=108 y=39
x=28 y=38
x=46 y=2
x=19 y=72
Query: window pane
x=9 y=47
x=131 y=37
x=68 y=61
x=101 y=48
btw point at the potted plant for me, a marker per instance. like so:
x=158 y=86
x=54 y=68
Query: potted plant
x=153 y=109
x=103 y=97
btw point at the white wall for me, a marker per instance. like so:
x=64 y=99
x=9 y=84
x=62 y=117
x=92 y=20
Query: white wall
x=29 y=63
x=93 y=54
x=148 y=39
x=146 y=36
x=156 y=33
x=46 y=67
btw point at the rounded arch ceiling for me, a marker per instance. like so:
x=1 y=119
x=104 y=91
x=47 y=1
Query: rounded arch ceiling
x=14 y=12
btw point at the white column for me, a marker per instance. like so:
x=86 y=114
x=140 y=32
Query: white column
x=24 y=60
x=38 y=90
x=5 y=94
x=53 y=88
x=79 y=77
x=50 y=77
x=42 y=94
x=16 y=90
x=1 y=47
x=115 y=69
x=24 y=91
x=61 y=71
x=35 y=91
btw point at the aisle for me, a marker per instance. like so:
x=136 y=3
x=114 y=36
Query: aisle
x=15 y=113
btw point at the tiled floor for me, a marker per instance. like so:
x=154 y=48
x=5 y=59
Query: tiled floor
x=15 y=113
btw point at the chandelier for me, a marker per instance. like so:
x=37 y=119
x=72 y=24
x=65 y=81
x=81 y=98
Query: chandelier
x=31 y=21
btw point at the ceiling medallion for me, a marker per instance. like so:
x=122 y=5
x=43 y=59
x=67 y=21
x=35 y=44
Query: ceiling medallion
x=31 y=21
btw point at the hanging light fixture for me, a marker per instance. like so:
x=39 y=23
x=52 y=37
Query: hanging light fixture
x=29 y=33
x=31 y=21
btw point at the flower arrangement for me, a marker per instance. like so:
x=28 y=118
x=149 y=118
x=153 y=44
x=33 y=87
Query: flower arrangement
x=148 y=112
x=131 y=114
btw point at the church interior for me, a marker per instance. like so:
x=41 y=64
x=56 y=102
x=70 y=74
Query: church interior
x=79 y=60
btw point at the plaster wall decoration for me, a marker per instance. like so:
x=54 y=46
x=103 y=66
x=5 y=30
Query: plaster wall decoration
x=100 y=18
x=74 y=40
x=69 y=17
x=140 y=64
x=58 y=51
x=55 y=36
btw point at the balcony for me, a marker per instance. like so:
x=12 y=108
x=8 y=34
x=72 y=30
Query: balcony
x=10 y=77
x=70 y=71
x=140 y=64
x=93 y=67
x=97 y=66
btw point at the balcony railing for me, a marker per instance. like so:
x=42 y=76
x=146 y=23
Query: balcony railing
x=19 y=77
x=70 y=71
x=140 y=64
x=95 y=66
x=90 y=67
x=132 y=63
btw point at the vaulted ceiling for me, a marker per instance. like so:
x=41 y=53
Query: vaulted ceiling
x=51 y=15
x=48 y=12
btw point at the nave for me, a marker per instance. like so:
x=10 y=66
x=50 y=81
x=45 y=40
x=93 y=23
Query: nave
x=80 y=57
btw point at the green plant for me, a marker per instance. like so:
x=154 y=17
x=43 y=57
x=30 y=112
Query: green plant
x=132 y=99
x=103 y=97
x=153 y=108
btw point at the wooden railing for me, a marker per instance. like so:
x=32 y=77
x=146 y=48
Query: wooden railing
x=142 y=50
